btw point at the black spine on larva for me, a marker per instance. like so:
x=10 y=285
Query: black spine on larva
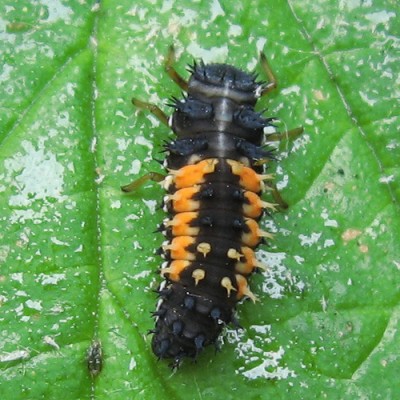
x=215 y=121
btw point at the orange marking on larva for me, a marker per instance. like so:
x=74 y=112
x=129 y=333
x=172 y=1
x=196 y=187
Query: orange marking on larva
x=190 y=175
x=182 y=199
x=246 y=266
x=253 y=237
x=243 y=288
x=180 y=224
x=175 y=268
x=254 y=208
x=178 y=247
x=248 y=178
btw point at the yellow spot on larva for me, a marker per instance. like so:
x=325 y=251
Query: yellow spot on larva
x=234 y=254
x=198 y=275
x=227 y=284
x=204 y=248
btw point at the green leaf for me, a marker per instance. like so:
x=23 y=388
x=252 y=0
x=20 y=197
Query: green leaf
x=77 y=256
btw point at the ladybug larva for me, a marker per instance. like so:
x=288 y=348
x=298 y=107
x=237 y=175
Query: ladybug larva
x=215 y=178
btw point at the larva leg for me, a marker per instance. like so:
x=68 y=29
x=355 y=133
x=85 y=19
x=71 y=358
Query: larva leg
x=155 y=110
x=171 y=71
x=277 y=137
x=289 y=135
x=272 y=81
x=268 y=87
x=150 y=176
x=173 y=74
x=278 y=197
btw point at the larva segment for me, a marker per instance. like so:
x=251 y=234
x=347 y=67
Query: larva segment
x=179 y=248
x=174 y=269
x=182 y=224
x=191 y=175
x=183 y=200
x=248 y=178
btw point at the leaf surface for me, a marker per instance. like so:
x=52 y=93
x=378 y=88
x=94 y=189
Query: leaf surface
x=77 y=256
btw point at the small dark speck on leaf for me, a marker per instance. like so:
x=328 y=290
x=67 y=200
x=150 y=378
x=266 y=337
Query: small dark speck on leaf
x=94 y=358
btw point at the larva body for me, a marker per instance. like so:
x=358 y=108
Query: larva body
x=213 y=186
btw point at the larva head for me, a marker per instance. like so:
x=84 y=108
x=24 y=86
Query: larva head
x=217 y=80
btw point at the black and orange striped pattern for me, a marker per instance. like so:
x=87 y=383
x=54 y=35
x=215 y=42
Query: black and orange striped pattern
x=214 y=182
